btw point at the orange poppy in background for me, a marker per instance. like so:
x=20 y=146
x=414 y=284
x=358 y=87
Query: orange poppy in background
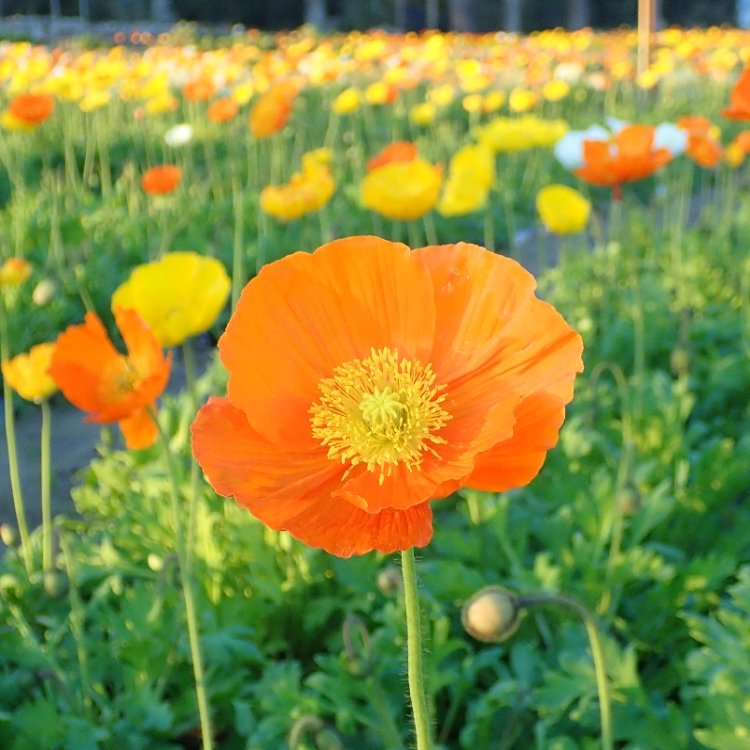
x=393 y=152
x=223 y=110
x=113 y=387
x=271 y=112
x=161 y=179
x=629 y=155
x=703 y=147
x=403 y=376
x=739 y=100
x=199 y=89
x=32 y=109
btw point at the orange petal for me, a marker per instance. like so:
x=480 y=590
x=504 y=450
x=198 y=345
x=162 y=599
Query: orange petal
x=273 y=482
x=144 y=354
x=515 y=462
x=476 y=293
x=83 y=357
x=295 y=492
x=306 y=314
x=343 y=530
x=139 y=430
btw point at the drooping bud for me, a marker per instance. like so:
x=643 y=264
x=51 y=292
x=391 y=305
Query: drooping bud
x=492 y=615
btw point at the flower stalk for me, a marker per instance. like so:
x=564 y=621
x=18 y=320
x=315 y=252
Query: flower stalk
x=414 y=652
x=184 y=565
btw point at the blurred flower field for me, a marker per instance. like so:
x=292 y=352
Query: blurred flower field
x=348 y=225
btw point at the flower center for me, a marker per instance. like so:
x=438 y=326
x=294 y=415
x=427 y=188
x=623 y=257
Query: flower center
x=380 y=412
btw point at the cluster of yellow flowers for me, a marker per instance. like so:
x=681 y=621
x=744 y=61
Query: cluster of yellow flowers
x=521 y=133
x=307 y=191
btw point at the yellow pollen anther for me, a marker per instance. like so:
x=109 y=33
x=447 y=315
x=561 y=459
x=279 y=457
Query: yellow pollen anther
x=380 y=412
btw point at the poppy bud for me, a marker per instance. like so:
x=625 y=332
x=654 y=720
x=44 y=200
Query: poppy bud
x=628 y=500
x=679 y=361
x=311 y=728
x=389 y=580
x=357 y=647
x=43 y=292
x=55 y=584
x=491 y=615
x=8 y=535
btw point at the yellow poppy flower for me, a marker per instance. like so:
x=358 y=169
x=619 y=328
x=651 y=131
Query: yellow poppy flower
x=14 y=272
x=562 y=209
x=470 y=177
x=521 y=100
x=423 y=114
x=402 y=190
x=346 y=102
x=555 y=90
x=27 y=373
x=178 y=296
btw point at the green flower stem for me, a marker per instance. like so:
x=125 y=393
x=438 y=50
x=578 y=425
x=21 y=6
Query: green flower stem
x=10 y=437
x=597 y=654
x=77 y=619
x=414 y=652
x=46 y=440
x=238 y=270
x=185 y=569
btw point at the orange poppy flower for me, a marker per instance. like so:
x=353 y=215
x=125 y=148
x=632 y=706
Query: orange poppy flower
x=32 y=109
x=112 y=387
x=396 y=151
x=271 y=112
x=739 y=101
x=161 y=180
x=403 y=376
x=223 y=110
x=702 y=147
x=629 y=155
x=199 y=89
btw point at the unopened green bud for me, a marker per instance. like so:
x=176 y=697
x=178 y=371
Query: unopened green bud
x=679 y=360
x=492 y=614
x=55 y=584
x=628 y=500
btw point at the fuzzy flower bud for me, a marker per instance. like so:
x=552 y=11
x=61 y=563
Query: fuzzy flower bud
x=492 y=615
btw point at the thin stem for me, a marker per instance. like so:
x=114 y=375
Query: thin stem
x=77 y=624
x=46 y=440
x=238 y=270
x=10 y=437
x=414 y=652
x=597 y=654
x=185 y=570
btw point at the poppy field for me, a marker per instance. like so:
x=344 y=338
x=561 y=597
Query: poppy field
x=422 y=369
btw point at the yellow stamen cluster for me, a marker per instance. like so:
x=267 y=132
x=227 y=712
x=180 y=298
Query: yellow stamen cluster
x=380 y=412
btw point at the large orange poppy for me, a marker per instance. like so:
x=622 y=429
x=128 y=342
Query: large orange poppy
x=630 y=155
x=366 y=379
x=112 y=387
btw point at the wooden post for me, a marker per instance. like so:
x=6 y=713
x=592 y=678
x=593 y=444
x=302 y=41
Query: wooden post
x=646 y=28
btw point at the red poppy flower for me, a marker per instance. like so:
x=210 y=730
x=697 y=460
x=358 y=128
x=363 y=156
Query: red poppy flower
x=32 y=108
x=112 y=387
x=161 y=180
x=393 y=152
x=366 y=380
x=739 y=101
x=271 y=112
x=629 y=155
